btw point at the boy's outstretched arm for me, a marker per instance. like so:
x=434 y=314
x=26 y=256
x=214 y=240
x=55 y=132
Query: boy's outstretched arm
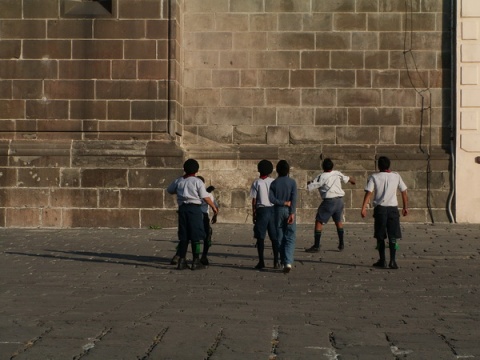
x=211 y=204
x=351 y=180
x=405 y=203
x=366 y=200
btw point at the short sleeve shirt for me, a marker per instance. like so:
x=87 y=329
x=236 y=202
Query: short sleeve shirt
x=259 y=190
x=384 y=186
x=189 y=190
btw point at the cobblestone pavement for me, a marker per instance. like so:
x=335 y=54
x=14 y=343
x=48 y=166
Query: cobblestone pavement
x=112 y=294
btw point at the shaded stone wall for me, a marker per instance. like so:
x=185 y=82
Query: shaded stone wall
x=85 y=113
x=306 y=79
x=101 y=101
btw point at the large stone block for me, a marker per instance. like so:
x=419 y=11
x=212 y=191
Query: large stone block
x=38 y=177
x=376 y=59
x=70 y=29
x=152 y=178
x=381 y=116
x=358 y=135
x=28 y=69
x=317 y=22
x=23 y=29
x=209 y=41
x=24 y=197
x=274 y=78
x=295 y=116
x=331 y=116
x=117 y=90
x=158 y=218
x=206 y=6
x=65 y=89
x=263 y=22
x=365 y=41
x=10 y=49
x=140 y=49
x=141 y=198
x=225 y=78
x=312 y=135
x=347 y=60
x=291 y=41
x=221 y=133
x=359 y=97
x=248 y=78
x=283 y=97
x=278 y=135
x=12 y=109
x=48 y=110
x=274 y=59
x=10 y=9
x=287 y=6
x=101 y=218
x=334 y=78
x=248 y=134
x=333 y=40
x=97 y=49
x=23 y=218
x=77 y=198
x=122 y=29
x=46 y=49
x=139 y=9
x=264 y=116
x=380 y=22
x=104 y=178
x=333 y=6
x=302 y=78
x=318 y=97
x=84 y=69
x=242 y=97
x=350 y=22
x=231 y=22
x=315 y=60
x=290 y=21
x=401 y=98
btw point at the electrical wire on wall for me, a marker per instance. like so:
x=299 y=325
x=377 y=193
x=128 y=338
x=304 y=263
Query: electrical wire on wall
x=425 y=94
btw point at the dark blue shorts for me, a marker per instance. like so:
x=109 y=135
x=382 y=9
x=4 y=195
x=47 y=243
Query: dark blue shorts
x=190 y=223
x=330 y=208
x=387 y=222
x=265 y=222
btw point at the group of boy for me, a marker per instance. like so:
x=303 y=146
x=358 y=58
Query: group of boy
x=274 y=204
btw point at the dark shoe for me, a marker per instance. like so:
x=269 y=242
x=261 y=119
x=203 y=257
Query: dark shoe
x=260 y=265
x=341 y=246
x=393 y=264
x=197 y=265
x=182 y=264
x=380 y=264
x=277 y=265
x=174 y=260
x=287 y=268
x=204 y=261
x=312 y=249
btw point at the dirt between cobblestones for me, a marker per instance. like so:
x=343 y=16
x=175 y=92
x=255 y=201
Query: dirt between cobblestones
x=112 y=294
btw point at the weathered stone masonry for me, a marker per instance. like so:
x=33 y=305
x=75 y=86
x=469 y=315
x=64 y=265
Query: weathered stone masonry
x=100 y=105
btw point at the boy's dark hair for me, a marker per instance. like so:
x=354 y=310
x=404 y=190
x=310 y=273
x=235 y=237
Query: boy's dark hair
x=265 y=167
x=327 y=164
x=201 y=178
x=283 y=168
x=383 y=163
x=191 y=166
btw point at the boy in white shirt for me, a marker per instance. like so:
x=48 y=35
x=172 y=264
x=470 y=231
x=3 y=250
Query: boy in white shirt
x=263 y=216
x=384 y=185
x=329 y=184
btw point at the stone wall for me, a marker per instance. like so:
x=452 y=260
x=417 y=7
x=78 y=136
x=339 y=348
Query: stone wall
x=307 y=79
x=85 y=112
x=101 y=101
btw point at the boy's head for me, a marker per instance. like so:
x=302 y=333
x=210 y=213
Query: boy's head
x=283 y=168
x=383 y=163
x=327 y=164
x=190 y=166
x=265 y=167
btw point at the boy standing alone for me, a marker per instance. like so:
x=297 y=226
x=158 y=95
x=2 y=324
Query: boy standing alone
x=329 y=184
x=283 y=195
x=384 y=185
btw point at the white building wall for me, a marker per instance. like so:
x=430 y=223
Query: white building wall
x=467 y=188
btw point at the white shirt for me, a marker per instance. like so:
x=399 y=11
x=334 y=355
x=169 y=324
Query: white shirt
x=329 y=184
x=259 y=190
x=189 y=190
x=384 y=186
x=205 y=206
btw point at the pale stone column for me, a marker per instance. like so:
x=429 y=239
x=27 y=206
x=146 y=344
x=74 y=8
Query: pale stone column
x=468 y=112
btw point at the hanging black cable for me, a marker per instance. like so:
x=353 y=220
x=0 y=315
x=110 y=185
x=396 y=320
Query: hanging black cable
x=425 y=94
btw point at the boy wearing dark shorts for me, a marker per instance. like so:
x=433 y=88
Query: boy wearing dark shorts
x=384 y=185
x=190 y=191
x=329 y=184
x=263 y=215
